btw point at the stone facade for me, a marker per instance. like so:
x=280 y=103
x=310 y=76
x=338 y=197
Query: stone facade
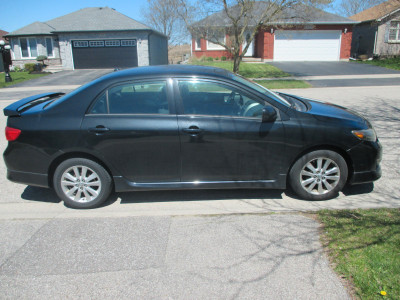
x=63 y=47
x=66 y=46
x=19 y=61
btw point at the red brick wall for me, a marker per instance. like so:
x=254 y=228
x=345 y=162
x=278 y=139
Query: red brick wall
x=265 y=43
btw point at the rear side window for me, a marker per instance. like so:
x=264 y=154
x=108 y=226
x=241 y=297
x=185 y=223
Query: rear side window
x=133 y=98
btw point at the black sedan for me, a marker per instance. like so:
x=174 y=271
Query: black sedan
x=185 y=127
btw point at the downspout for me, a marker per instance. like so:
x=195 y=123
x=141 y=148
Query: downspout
x=376 y=37
x=148 y=46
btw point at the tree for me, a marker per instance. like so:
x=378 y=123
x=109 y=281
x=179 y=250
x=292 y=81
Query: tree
x=163 y=16
x=351 y=7
x=242 y=19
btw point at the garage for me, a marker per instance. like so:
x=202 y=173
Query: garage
x=307 y=45
x=100 y=54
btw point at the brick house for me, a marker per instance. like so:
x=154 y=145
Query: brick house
x=93 y=37
x=319 y=36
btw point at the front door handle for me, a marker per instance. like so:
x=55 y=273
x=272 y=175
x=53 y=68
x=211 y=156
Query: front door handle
x=192 y=130
x=99 y=129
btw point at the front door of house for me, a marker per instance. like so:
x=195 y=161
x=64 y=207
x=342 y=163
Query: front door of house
x=250 y=50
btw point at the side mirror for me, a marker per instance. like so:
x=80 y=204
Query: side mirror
x=268 y=114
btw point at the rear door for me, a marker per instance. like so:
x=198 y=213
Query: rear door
x=222 y=136
x=133 y=127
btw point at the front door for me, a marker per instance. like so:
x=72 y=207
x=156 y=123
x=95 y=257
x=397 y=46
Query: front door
x=222 y=136
x=132 y=127
x=250 y=50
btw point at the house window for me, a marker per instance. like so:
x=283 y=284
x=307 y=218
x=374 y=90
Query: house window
x=28 y=47
x=394 y=32
x=113 y=43
x=49 y=47
x=128 y=43
x=197 y=44
x=96 y=43
x=220 y=37
x=81 y=44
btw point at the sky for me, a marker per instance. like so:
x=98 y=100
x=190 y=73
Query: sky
x=16 y=14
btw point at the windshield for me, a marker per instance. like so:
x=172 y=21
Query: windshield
x=259 y=88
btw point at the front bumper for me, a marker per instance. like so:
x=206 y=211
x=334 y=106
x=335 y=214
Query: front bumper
x=366 y=158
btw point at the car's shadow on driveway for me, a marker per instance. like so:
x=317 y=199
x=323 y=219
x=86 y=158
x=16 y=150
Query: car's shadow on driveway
x=38 y=194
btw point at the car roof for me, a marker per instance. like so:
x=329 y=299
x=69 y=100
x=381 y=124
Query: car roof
x=169 y=70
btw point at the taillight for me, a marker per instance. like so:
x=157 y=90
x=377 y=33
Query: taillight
x=12 y=133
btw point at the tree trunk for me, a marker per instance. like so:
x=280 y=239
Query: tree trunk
x=236 y=63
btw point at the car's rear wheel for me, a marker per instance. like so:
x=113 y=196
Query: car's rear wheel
x=318 y=175
x=82 y=183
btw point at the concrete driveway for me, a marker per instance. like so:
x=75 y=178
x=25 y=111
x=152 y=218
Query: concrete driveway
x=187 y=244
x=335 y=74
x=75 y=77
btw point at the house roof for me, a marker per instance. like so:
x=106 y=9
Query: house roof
x=377 y=12
x=2 y=33
x=300 y=14
x=86 y=19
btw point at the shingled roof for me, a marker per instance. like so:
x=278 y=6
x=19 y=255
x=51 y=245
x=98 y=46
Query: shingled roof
x=86 y=19
x=378 y=11
x=301 y=14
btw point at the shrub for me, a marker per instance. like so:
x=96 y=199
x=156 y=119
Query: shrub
x=41 y=58
x=217 y=58
x=29 y=67
x=223 y=58
x=210 y=59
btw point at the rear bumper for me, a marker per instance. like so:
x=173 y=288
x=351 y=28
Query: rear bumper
x=28 y=178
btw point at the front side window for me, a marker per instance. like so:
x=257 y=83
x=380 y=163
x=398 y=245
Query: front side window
x=133 y=98
x=394 y=31
x=28 y=47
x=216 y=99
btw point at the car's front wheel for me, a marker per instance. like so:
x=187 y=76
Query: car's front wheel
x=82 y=183
x=318 y=175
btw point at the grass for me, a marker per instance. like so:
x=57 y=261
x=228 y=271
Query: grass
x=284 y=84
x=390 y=63
x=18 y=77
x=364 y=246
x=249 y=70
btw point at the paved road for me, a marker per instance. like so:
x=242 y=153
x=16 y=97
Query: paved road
x=338 y=69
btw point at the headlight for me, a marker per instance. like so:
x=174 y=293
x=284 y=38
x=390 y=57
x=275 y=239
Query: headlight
x=365 y=135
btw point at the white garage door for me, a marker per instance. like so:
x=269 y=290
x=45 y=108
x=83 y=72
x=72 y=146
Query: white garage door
x=307 y=45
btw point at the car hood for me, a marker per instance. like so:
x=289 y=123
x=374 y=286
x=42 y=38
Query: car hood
x=327 y=111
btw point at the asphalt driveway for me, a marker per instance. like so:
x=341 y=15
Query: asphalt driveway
x=335 y=74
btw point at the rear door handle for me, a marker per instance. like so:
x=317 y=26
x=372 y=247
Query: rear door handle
x=99 y=129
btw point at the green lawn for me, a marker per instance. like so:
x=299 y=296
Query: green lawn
x=17 y=78
x=249 y=70
x=390 y=63
x=364 y=246
x=283 y=84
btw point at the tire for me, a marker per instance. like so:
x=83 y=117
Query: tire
x=82 y=183
x=318 y=175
